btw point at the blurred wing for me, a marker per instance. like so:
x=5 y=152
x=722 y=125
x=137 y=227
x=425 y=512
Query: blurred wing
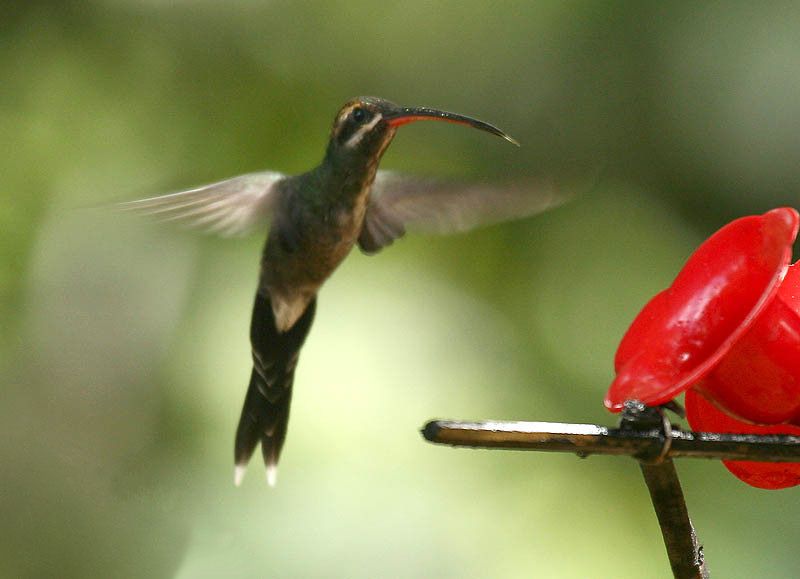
x=232 y=207
x=398 y=202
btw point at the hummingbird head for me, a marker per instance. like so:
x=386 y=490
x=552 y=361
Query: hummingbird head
x=365 y=126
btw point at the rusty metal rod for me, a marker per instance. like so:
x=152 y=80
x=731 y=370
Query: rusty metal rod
x=684 y=550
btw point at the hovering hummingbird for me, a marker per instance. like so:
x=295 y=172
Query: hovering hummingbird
x=314 y=220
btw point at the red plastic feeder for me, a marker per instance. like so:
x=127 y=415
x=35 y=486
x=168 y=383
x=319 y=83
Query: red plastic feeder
x=706 y=417
x=729 y=326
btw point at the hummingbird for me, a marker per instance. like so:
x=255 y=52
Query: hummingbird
x=313 y=221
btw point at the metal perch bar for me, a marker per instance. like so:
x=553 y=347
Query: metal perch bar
x=588 y=439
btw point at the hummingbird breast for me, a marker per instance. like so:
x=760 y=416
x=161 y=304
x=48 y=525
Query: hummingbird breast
x=307 y=242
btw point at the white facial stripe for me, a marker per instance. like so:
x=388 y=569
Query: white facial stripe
x=359 y=134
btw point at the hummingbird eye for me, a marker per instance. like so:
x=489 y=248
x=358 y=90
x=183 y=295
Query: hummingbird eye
x=359 y=115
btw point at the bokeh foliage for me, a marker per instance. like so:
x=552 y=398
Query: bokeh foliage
x=124 y=348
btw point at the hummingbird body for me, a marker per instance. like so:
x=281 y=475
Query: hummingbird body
x=315 y=219
x=319 y=217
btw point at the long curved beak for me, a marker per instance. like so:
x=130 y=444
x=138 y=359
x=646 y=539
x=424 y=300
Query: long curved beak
x=407 y=115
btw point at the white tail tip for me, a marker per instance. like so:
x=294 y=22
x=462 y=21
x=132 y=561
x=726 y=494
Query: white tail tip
x=238 y=474
x=272 y=474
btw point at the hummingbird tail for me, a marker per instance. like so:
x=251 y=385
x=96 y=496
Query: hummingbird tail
x=265 y=414
x=262 y=421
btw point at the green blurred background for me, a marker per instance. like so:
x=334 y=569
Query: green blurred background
x=124 y=352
